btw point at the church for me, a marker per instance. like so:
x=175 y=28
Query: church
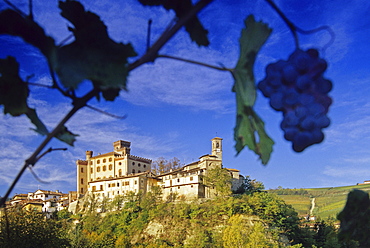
x=118 y=172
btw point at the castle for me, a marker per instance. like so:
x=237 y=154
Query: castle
x=119 y=172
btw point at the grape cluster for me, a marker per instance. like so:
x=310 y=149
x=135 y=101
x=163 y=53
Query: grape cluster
x=297 y=88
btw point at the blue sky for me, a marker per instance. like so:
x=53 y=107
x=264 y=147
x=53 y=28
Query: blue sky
x=174 y=109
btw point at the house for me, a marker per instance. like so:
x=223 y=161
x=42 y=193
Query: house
x=119 y=172
x=45 y=201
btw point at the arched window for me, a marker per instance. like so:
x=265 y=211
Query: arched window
x=110 y=159
x=139 y=165
x=104 y=168
x=110 y=167
x=98 y=162
x=104 y=160
x=133 y=171
x=98 y=169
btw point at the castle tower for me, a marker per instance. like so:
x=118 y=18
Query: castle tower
x=217 y=147
x=82 y=176
x=122 y=146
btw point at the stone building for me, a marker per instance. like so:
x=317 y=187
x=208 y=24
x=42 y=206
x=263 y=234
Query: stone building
x=113 y=173
x=119 y=172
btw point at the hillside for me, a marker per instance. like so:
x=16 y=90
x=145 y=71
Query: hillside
x=328 y=202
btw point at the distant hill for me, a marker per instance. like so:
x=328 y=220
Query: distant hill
x=328 y=202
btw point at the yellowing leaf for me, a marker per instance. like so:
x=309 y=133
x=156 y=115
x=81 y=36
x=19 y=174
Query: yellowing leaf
x=249 y=130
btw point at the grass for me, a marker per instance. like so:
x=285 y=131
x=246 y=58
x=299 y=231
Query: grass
x=328 y=201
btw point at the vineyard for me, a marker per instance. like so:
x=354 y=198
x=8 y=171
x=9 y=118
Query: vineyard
x=328 y=201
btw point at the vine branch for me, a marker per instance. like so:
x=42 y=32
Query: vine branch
x=77 y=105
x=195 y=62
x=151 y=53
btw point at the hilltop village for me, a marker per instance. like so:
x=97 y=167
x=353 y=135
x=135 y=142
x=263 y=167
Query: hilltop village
x=119 y=172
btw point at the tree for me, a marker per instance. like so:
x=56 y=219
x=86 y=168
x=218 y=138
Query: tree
x=218 y=181
x=25 y=229
x=162 y=165
x=249 y=186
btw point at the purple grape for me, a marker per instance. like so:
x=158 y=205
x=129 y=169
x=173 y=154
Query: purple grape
x=297 y=88
x=301 y=141
x=290 y=133
x=308 y=123
x=289 y=75
x=276 y=101
x=323 y=86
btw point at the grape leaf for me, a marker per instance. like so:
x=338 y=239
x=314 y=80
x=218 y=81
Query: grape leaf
x=248 y=123
x=93 y=54
x=13 y=23
x=14 y=93
x=194 y=27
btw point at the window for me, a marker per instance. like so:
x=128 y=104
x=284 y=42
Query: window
x=98 y=162
x=118 y=185
x=104 y=168
x=82 y=190
x=191 y=178
x=104 y=160
x=127 y=183
x=133 y=171
x=135 y=182
x=120 y=172
x=110 y=159
x=109 y=185
x=93 y=188
x=82 y=170
x=98 y=169
x=91 y=170
x=91 y=162
x=82 y=181
x=110 y=167
x=144 y=165
x=139 y=165
x=178 y=180
x=192 y=186
x=101 y=187
x=178 y=187
x=138 y=171
x=119 y=163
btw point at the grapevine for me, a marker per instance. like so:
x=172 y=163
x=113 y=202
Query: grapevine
x=297 y=88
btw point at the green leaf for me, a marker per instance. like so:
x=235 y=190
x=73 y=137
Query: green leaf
x=13 y=96
x=93 y=55
x=66 y=136
x=13 y=91
x=40 y=127
x=194 y=27
x=13 y=23
x=249 y=130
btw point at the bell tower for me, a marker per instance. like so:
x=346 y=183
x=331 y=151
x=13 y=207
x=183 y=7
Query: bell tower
x=217 y=147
